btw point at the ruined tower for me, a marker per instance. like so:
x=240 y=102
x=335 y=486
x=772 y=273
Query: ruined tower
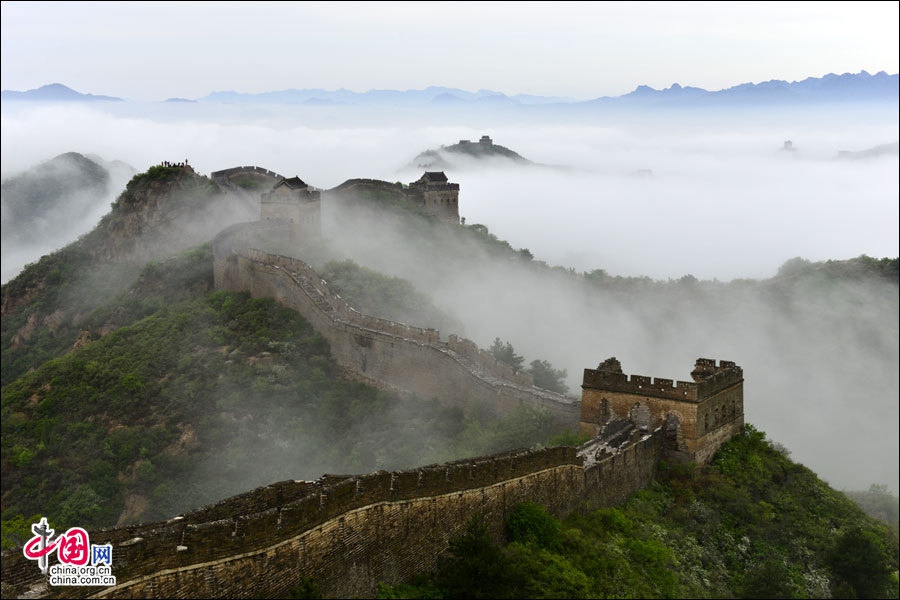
x=699 y=416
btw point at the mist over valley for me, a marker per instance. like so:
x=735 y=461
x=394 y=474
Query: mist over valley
x=656 y=237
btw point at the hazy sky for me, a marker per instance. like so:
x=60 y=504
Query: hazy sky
x=583 y=50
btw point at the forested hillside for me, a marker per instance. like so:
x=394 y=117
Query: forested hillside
x=198 y=395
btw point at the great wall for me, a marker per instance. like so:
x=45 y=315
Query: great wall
x=349 y=533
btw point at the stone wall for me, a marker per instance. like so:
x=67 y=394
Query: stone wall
x=224 y=175
x=438 y=199
x=384 y=353
x=347 y=533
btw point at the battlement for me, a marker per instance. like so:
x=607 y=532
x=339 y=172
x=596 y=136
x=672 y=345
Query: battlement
x=440 y=187
x=368 y=183
x=639 y=384
x=225 y=173
x=710 y=379
x=389 y=525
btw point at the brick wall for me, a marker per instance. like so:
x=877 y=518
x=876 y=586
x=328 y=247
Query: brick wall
x=347 y=533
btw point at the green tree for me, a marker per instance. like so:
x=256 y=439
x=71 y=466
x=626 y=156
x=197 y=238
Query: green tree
x=531 y=523
x=548 y=378
x=794 y=266
x=17 y=530
x=504 y=352
x=772 y=578
x=525 y=254
x=861 y=559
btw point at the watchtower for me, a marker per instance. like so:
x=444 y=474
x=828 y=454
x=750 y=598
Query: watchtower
x=699 y=416
x=293 y=200
x=437 y=195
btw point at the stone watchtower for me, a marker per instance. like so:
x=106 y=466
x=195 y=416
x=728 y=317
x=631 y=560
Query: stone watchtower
x=699 y=416
x=293 y=201
x=436 y=195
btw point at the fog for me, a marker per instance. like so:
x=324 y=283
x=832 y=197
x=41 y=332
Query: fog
x=713 y=195
x=41 y=215
x=722 y=200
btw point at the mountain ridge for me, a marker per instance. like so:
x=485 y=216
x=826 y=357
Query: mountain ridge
x=861 y=86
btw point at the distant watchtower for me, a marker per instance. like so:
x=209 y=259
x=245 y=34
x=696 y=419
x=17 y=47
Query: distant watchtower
x=292 y=200
x=699 y=416
x=437 y=195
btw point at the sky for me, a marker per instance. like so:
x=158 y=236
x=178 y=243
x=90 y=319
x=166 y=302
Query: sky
x=152 y=51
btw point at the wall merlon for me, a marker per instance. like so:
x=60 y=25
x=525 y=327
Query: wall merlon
x=640 y=384
x=208 y=541
x=720 y=381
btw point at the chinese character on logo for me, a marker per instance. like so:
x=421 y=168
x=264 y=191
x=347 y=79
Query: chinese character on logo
x=73 y=547
x=36 y=548
x=101 y=554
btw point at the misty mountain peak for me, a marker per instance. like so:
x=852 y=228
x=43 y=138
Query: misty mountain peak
x=455 y=154
x=54 y=92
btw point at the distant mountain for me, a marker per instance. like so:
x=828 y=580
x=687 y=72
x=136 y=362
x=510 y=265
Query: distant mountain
x=849 y=87
x=429 y=95
x=880 y=150
x=831 y=88
x=55 y=92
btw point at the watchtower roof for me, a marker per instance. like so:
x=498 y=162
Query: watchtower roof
x=434 y=177
x=294 y=183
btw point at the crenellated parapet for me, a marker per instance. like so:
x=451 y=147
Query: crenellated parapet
x=710 y=378
x=726 y=375
x=225 y=174
x=348 y=533
x=369 y=185
x=656 y=387
x=432 y=192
